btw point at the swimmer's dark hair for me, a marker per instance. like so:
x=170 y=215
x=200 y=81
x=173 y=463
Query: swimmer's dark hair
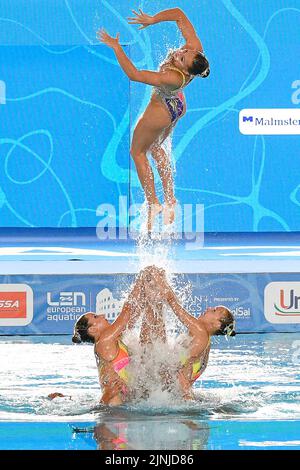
x=228 y=324
x=80 y=334
x=200 y=66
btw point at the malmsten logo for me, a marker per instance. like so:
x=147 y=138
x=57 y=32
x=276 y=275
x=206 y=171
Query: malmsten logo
x=288 y=303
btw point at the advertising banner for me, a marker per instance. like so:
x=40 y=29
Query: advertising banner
x=51 y=304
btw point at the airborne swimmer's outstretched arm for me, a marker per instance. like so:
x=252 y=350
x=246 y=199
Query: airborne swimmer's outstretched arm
x=167 y=77
x=174 y=14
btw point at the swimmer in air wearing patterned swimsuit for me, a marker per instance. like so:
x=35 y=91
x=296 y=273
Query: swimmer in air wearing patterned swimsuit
x=167 y=105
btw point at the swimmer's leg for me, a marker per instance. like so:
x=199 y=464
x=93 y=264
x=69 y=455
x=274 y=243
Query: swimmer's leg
x=149 y=128
x=153 y=325
x=153 y=329
x=164 y=168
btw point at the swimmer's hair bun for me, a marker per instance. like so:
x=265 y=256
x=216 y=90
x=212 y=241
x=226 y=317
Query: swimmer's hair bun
x=200 y=66
x=206 y=73
x=76 y=338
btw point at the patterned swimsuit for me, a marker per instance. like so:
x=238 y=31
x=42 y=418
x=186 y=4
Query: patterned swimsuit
x=174 y=100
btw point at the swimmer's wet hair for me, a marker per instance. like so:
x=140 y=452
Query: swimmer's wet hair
x=200 y=66
x=80 y=334
x=228 y=324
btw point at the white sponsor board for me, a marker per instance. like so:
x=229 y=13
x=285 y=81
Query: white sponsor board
x=282 y=302
x=269 y=121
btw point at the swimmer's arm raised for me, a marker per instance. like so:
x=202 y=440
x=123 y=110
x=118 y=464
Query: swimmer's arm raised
x=184 y=24
x=173 y=14
x=188 y=320
x=130 y=311
x=144 y=76
x=167 y=77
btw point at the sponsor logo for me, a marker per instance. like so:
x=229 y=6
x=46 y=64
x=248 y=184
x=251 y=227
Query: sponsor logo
x=67 y=299
x=107 y=305
x=67 y=304
x=246 y=119
x=270 y=121
x=16 y=305
x=197 y=305
x=288 y=303
x=282 y=302
x=13 y=305
x=241 y=312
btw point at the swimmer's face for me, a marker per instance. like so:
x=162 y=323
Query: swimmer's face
x=184 y=58
x=216 y=316
x=96 y=323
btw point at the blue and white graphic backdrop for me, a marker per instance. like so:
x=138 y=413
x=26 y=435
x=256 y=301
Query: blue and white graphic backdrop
x=67 y=111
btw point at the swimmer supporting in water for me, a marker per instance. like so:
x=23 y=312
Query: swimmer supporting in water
x=149 y=293
x=112 y=355
x=167 y=104
x=214 y=321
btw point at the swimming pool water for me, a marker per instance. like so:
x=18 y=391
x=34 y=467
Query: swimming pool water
x=249 y=398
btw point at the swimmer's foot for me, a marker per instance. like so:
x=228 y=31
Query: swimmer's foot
x=153 y=211
x=169 y=212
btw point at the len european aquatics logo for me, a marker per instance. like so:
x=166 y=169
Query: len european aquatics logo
x=269 y=121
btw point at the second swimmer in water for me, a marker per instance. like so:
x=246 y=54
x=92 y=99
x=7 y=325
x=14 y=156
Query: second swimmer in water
x=166 y=107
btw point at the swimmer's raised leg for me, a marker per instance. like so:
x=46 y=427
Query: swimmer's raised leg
x=154 y=330
x=153 y=325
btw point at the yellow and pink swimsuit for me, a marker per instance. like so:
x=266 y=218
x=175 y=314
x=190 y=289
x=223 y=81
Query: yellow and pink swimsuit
x=199 y=365
x=119 y=364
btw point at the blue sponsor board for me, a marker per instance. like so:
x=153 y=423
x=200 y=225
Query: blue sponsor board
x=260 y=302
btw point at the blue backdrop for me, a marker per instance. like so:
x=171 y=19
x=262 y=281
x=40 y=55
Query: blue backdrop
x=67 y=111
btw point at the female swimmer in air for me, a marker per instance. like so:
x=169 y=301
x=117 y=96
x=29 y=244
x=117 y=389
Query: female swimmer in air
x=167 y=104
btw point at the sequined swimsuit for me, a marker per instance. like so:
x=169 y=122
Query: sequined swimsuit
x=174 y=100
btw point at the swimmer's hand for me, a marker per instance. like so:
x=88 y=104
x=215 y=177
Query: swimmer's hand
x=142 y=19
x=107 y=39
x=51 y=396
x=155 y=280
